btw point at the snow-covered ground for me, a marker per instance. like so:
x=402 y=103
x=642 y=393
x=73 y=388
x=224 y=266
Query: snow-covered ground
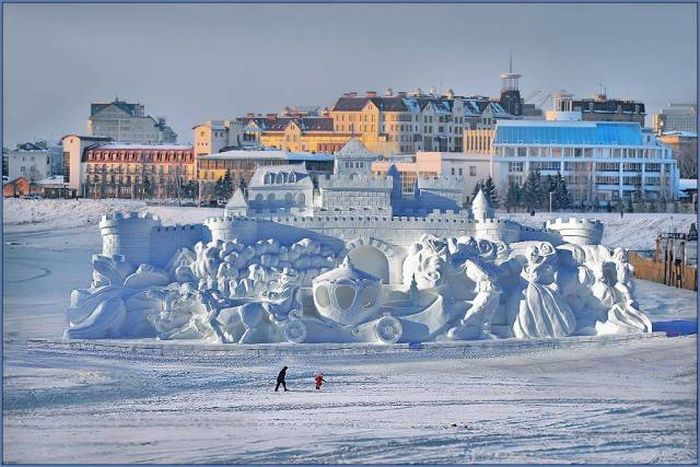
x=572 y=400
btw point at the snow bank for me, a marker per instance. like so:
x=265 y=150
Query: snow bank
x=33 y=215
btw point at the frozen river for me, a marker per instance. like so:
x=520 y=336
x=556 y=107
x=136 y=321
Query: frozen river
x=604 y=401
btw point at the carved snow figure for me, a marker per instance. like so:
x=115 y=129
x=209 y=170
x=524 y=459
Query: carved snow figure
x=104 y=322
x=146 y=276
x=254 y=321
x=451 y=269
x=613 y=289
x=186 y=314
x=207 y=262
x=542 y=312
x=110 y=270
x=180 y=265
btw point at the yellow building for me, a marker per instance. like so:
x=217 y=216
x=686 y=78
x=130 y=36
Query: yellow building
x=384 y=124
x=297 y=134
x=478 y=141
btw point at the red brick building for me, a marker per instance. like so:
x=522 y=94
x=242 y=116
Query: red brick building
x=139 y=171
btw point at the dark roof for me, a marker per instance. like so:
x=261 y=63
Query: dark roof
x=305 y=123
x=29 y=147
x=88 y=137
x=385 y=104
x=98 y=106
x=608 y=106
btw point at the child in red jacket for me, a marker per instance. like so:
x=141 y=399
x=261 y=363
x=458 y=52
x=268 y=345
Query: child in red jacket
x=318 y=379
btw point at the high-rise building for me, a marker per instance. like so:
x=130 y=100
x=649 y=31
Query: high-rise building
x=128 y=123
x=676 y=117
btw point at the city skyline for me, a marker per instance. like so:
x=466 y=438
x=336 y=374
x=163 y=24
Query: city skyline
x=260 y=58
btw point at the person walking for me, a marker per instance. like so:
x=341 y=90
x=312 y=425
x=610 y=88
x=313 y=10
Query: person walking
x=318 y=379
x=281 y=379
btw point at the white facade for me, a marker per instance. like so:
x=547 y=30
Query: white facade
x=128 y=123
x=35 y=161
x=33 y=165
x=602 y=162
x=73 y=148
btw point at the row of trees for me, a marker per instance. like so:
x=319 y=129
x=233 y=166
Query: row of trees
x=225 y=186
x=533 y=194
x=538 y=192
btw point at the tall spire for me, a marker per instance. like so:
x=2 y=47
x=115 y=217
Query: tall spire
x=510 y=61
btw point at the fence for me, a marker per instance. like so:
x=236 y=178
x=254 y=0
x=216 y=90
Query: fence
x=669 y=272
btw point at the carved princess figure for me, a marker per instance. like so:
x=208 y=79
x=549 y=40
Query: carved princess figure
x=542 y=312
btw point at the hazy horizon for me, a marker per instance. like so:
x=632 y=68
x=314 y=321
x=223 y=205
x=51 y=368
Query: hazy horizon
x=194 y=62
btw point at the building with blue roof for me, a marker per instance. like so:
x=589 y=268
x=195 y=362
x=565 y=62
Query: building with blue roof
x=602 y=162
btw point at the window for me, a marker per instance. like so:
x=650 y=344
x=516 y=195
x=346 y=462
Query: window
x=345 y=296
x=472 y=171
x=607 y=166
x=460 y=171
x=322 y=297
x=515 y=166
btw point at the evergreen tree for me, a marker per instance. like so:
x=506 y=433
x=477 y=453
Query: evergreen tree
x=226 y=186
x=513 y=196
x=489 y=189
x=147 y=187
x=638 y=190
x=478 y=186
x=218 y=188
x=533 y=195
x=562 y=199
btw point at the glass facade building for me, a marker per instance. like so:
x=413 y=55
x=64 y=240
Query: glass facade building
x=602 y=162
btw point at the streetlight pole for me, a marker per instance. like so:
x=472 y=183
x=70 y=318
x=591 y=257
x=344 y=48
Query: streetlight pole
x=550 y=201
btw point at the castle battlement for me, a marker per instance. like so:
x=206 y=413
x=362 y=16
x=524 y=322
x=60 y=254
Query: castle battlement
x=119 y=216
x=577 y=231
x=178 y=228
x=361 y=183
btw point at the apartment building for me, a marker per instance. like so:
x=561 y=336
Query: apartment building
x=128 y=122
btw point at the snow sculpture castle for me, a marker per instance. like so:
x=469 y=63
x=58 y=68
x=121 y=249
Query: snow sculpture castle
x=445 y=272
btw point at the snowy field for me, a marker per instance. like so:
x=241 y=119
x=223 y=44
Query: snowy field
x=571 y=400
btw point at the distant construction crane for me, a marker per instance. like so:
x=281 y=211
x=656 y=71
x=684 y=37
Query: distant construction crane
x=532 y=95
x=544 y=100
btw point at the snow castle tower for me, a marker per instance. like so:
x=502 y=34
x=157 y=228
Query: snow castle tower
x=481 y=207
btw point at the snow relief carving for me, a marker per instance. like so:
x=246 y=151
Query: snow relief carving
x=452 y=288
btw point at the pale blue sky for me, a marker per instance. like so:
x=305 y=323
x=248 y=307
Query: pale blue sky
x=195 y=62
